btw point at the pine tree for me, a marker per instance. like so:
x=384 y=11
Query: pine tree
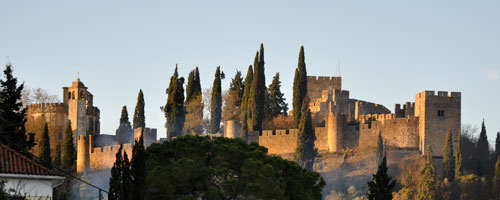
x=482 y=152
x=127 y=190
x=174 y=108
x=427 y=181
x=115 y=179
x=381 y=186
x=277 y=105
x=497 y=144
x=139 y=119
x=57 y=158
x=124 y=133
x=232 y=107
x=69 y=152
x=44 y=146
x=194 y=105
x=12 y=114
x=299 y=87
x=138 y=169
x=244 y=103
x=379 y=153
x=448 y=164
x=216 y=103
x=257 y=92
x=306 y=153
x=496 y=180
x=458 y=158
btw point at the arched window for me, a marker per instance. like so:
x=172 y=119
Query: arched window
x=69 y=95
x=73 y=95
x=82 y=95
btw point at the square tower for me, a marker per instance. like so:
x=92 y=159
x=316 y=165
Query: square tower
x=437 y=114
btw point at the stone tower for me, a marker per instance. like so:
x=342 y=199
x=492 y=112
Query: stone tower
x=437 y=114
x=82 y=156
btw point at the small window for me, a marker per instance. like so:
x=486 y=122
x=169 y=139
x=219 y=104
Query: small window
x=73 y=95
x=82 y=96
x=69 y=95
x=440 y=113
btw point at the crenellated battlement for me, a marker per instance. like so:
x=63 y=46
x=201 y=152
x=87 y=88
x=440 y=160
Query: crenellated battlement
x=109 y=149
x=324 y=78
x=431 y=93
x=279 y=132
x=384 y=118
x=47 y=107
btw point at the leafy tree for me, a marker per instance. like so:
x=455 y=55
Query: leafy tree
x=174 y=108
x=306 y=153
x=57 y=157
x=124 y=133
x=44 y=146
x=194 y=105
x=69 y=152
x=380 y=152
x=244 y=103
x=299 y=87
x=115 y=192
x=216 y=103
x=138 y=168
x=12 y=114
x=232 y=107
x=482 y=152
x=195 y=167
x=277 y=105
x=139 y=119
x=381 y=185
x=427 y=181
x=496 y=180
x=458 y=158
x=256 y=102
x=448 y=164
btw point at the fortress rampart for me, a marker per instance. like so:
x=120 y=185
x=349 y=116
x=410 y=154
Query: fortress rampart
x=316 y=84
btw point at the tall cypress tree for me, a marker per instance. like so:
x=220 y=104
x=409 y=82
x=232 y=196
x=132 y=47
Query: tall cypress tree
x=497 y=144
x=448 y=164
x=232 y=106
x=69 y=152
x=379 y=153
x=306 y=152
x=12 y=114
x=44 y=146
x=194 y=106
x=482 y=152
x=299 y=87
x=458 y=158
x=124 y=133
x=244 y=103
x=127 y=190
x=174 y=108
x=277 y=104
x=138 y=167
x=139 y=119
x=381 y=185
x=427 y=181
x=496 y=180
x=257 y=92
x=115 y=179
x=216 y=103
x=57 y=158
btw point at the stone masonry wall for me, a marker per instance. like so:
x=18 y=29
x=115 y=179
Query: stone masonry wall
x=316 y=84
x=104 y=157
x=396 y=132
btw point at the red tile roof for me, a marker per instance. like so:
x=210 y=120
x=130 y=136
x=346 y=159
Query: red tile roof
x=12 y=162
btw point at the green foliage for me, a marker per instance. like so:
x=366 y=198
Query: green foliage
x=256 y=102
x=299 y=87
x=497 y=144
x=44 y=146
x=496 y=180
x=244 y=103
x=306 y=153
x=232 y=107
x=120 y=183
x=448 y=164
x=194 y=105
x=276 y=100
x=139 y=119
x=381 y=185
x=124 y=133
x=458 y=158
x=57 y=158
x=380 y=152
x=216 y=103
x=193 y=87
x=482 y=153
x=427 y=182
x=69 y=152
x=138 y=169
x=174 y=108
x=12 y=114
x=194 y=167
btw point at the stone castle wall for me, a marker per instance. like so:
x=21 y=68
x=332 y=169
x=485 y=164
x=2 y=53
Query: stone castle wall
x=396 y=132
x=104 y=157
x=316 y=84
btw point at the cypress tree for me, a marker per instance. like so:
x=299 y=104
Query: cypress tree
x=379 y=153
x=277 y=104
x=232 y=107
x=244 y=103
x=497 y=144
x=496 y=180
x=12 y=114
x=427 y=181
x=44 y=146
x=124 y=133
x=306 y=152
x=139 y=119
x=381 y=185
x=257 y=92
x=138 y=169
x=448 y=164
x=174 y=108
x=115 y=179
x=127 y=190
x=299 y=87
x=458 y=158
x=216 y=103
x=69 y=152
x=194 y=105
x=57 y=157
x=482 y=152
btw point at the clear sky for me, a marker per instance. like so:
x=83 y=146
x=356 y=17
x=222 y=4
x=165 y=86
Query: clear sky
x=389 y=50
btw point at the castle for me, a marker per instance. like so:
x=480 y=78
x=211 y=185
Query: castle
x=342 y=122
x=95 y=151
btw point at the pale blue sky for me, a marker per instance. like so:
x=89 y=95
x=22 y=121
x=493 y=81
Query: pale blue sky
x=389 y=50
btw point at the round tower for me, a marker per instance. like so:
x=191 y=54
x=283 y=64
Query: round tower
x=82 y=156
